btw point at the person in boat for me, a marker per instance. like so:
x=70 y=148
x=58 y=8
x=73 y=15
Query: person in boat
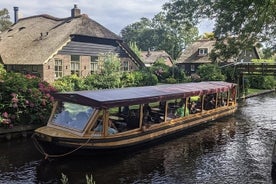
x=125 y=112
x=112 y=129
x=194 y=108
x=147 y=114
x=211 y=104
x=180 y=111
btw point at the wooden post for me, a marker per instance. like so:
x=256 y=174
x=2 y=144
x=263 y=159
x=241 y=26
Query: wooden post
x=202 y=103
x=141 y=116
x=105 y=122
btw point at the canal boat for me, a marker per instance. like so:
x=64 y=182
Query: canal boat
x=88 y=122
x=273 y=170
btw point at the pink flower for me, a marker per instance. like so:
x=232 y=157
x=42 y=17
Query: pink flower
x=14 y=100
x=14 y=95
x=6 y=121
x=48 y=95
x=5 y=115
x=14 y=105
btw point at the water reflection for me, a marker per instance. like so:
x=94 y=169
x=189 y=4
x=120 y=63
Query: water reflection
x=236 y=149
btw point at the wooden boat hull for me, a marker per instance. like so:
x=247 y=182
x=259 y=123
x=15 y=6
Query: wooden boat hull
x=61 y=146
x=273 y=170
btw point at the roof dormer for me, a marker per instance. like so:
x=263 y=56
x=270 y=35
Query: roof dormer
x=202 y=51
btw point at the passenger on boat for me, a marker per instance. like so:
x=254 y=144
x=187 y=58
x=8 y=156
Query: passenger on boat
x=211 y=104
x=180 y=111
x=125 y=112
x=112 y=129
x=162 y=105
x=194 y=108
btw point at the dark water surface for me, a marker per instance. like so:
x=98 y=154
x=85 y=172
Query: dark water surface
x=236 y=149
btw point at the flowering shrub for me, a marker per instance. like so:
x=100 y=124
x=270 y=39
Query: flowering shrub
x=24 y=99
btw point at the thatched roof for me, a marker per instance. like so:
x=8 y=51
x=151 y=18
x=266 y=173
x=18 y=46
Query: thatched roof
x=150 y=57
x=33 y=40
x=190 y=54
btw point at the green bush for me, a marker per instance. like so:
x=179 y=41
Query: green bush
x=262 y=82
x=24 y=99
x=210 y=72
x=69 y=83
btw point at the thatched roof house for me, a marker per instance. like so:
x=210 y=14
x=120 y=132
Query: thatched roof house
x=54 y=47
x=198 y=53
x=150 y=57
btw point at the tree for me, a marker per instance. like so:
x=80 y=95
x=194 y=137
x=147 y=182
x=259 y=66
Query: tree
x=5 y=23
x=210 y=72
x=160 y=33
x=109 y=73
x=238 y=24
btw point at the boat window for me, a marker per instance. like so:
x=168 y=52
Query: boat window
x=72 y=116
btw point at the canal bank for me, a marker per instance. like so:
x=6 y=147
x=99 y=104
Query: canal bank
x=18 y=131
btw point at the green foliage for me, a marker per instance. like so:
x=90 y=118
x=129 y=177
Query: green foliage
x=230 y=74
x=166 y=74
x=5 y=23
x=2 y=71
x=109 y=75
x=131 y=78
x=160 y=33
x=170 y=80
x=249 y=21
x=139 y=78
x=210 y=72
x=90 y=180
x=209 y=36
x=69 y=83
x=262 y=82
x=161 y=70
x=178 y=74
x=263 y=60
x=135 y=49
x=24 y=100
x=64 y=179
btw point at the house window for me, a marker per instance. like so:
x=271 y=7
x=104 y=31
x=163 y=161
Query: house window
x=94 y=64
x=125 y=66
x=192 y=68
x=202 y=51
x=58 y=68
x=75 y=65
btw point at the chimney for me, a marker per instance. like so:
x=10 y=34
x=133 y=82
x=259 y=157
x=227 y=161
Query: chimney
x=75 y=11
x=15 y=14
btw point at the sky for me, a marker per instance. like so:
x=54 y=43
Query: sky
x=112 y=14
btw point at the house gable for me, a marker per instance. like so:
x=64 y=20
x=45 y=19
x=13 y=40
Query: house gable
x=150 y=57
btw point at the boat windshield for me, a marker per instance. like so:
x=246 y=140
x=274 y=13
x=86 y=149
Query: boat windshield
x=72 y=116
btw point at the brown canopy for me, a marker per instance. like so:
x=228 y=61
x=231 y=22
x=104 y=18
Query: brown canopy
x=138 y=95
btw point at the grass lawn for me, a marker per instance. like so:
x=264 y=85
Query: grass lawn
x=254 y=91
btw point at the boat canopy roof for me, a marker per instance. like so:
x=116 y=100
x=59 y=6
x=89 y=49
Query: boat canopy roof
x=108 y=98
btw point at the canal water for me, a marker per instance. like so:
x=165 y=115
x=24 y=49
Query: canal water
x=235 y=149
